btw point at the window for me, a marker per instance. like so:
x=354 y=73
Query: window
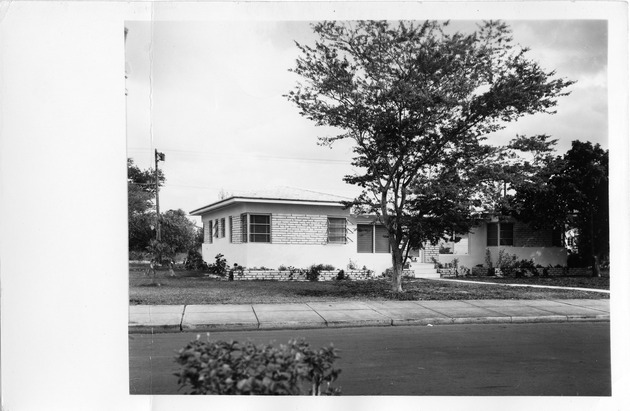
x=256 y=228
x=506 y=235
x=500 y=234
x=493 y=235
x=223 y=228
x=336 y=230
x=259 y=228
x=381 y=239
x=216 y=228
x=372 y=239
x=364 y=238
x=208 y=230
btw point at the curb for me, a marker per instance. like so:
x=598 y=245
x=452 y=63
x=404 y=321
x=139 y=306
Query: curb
x=161 y=329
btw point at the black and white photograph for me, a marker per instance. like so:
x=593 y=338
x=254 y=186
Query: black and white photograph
x=357 y=182
x=423 y=205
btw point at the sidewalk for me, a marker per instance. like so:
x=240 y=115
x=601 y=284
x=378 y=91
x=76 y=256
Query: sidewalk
x=182 y=318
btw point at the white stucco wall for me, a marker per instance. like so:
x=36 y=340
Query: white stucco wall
x=298 y=238
x=477 y=241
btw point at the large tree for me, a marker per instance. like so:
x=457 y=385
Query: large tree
x=418 y=102
x=570 y=192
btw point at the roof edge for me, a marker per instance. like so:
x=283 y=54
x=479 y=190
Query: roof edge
x=271 y=200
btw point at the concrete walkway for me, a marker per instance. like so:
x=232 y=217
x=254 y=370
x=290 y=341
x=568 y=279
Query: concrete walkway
x=555 y=287
x=178 y=318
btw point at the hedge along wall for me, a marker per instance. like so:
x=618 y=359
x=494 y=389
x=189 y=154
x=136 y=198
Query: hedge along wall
x=297 y=276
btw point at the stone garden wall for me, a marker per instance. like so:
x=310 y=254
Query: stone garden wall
x=300 y=276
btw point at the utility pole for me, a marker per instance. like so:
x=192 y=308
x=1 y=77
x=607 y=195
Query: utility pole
x=158 y=157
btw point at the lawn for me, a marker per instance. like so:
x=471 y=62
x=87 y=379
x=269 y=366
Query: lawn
x=193 y=288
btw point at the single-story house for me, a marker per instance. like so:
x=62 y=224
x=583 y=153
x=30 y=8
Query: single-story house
x=295 y=227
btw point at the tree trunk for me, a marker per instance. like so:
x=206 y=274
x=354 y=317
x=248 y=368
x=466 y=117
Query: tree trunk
x=397 y=264
x=594 y=257
x=596 y=270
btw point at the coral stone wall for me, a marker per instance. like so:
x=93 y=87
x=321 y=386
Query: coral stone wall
x=237 y=231
x=526 y=236
x=431 y=251
x=300 y=276
x=299 y=229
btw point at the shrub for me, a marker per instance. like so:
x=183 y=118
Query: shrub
x=463 y=271
x=237 y=268
x=139 y=256
x=161 y=253
x=436 y=263
x=352 y=265
x=219 y=267
x=283 y=268
x=576 y=261
x=526 y=266
x=506 y=261
x=341 y=275
x=219 y=367
x=313 y=271
x=194 y=261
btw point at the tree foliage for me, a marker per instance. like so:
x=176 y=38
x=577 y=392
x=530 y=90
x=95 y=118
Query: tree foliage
x=179 y=234
x=235 y=368
x=571 y=191
x=141 y=187
x=418 y=103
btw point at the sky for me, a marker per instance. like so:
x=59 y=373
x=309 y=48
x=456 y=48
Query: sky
x=209 y=95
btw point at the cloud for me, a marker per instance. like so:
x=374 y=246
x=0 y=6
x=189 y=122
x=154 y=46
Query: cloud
x=218 y=105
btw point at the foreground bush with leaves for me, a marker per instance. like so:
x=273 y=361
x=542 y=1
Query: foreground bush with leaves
x=235 y=368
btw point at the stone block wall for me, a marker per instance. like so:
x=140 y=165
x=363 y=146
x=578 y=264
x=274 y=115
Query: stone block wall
x=431 y=251
x=447 y=272
x=526 y=236
x=237 y=232
x=299 y=229
x=275 y=275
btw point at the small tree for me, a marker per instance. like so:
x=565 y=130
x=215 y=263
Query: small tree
x=161 y=253
x=418 y=103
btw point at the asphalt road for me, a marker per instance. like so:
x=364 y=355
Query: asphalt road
x=571 y=359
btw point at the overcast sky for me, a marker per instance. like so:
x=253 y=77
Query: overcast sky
x=209 y=96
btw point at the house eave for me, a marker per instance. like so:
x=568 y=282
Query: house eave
x=235 y=200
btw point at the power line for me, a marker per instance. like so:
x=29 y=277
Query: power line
x=260 y=156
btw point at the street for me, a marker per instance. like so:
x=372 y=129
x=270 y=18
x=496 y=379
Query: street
x=550 y=359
